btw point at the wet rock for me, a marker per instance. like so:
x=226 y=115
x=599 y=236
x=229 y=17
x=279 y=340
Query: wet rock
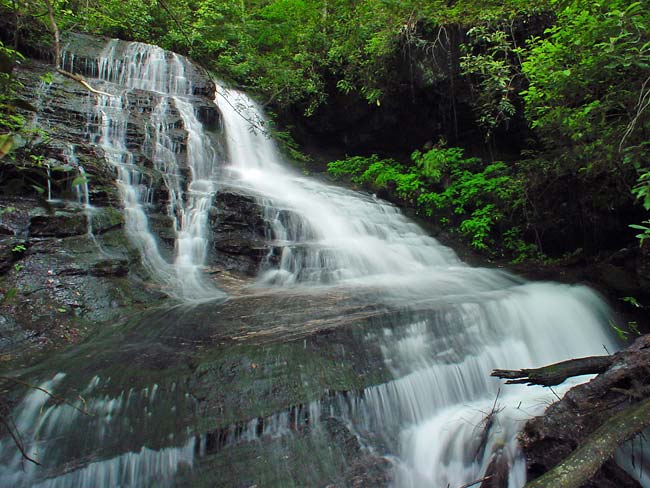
x=364 y=469
x=369 y=471
x=11 y=250
x=11 y=334
x=208 y=115
x=342 y=436
x=73 y=220
x=61 y=223
x=14 y=217
x=239 y=233
x=497 y=472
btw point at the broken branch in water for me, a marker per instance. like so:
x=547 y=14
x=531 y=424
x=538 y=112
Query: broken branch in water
x=554 y=374
x=15 y=436
x=10 y=426
x=83 y=82
x=476 y=482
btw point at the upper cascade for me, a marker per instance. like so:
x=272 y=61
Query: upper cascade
x=323 y=234
x=135 y=65
x=186 y=162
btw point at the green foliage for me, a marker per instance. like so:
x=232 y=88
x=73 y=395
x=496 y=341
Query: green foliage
x=489 y=61
x=624 y=335
x=632 y=301
x=587 y=79
x=434 y=163
x=642 y=189
x=286 y=49
x=645 y=230
x=11 y=122
x=588 y=98
x=443 y=183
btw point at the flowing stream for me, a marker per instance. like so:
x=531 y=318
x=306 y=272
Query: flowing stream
x=437 y=328
x=434 y=412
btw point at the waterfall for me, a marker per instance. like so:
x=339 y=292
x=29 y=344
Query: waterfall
x=325 y=234
x=102 y=423
x=81 y=188
x=49 y=182
x=149 y=400
x=123 y=72
x=442 y=417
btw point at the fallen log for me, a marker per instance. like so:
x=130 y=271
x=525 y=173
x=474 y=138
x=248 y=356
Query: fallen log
x=597 y=448
x=573 y=442
x=557 y=373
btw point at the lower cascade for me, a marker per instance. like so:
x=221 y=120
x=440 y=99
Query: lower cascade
x=362 y=350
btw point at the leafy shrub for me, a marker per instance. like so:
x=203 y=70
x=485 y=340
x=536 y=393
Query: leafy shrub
x=442 y=183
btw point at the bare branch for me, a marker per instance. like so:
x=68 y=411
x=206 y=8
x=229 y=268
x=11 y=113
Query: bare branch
x=554 y=374
x=80 y=79
x=476 y=482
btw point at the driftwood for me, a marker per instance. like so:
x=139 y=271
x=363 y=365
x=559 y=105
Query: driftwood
x=554 y=374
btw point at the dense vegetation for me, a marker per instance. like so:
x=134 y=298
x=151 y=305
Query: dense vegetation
x=568 y=79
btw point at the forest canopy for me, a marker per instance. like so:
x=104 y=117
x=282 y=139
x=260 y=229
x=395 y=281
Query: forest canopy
x=569 y=78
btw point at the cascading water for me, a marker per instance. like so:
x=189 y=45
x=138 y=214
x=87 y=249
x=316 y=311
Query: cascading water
x=149 y=68
x=325 y=234
x=468 y=321
x=143 y=406
x=81 y=188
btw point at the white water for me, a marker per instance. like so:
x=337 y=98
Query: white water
x=325 y=234
x=149 y=68
x=82 y=189
x=458 y=323
x=94 y=422
x=468 y=321
x=49 y=183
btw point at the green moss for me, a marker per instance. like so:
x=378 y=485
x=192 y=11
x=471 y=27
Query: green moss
x=243 y=382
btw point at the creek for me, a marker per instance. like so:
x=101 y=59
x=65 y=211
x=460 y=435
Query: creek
x=361 y=351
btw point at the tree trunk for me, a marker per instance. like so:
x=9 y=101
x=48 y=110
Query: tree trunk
x=55 y=31
x=597 y=448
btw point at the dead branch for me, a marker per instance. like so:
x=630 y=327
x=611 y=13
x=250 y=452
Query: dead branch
x=487 y=423
x=597 y=448
x=55 y=31
x=56 y=398
x=554 y=374
x=5 y=415
x=17 y=441
x=80 y=79
x=476 y=482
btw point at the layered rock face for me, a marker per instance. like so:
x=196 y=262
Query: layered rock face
x=69 y=255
